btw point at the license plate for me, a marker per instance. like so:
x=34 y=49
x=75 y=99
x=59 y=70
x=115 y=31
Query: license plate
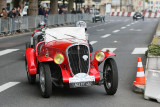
x=81 y=80
x=81 y=84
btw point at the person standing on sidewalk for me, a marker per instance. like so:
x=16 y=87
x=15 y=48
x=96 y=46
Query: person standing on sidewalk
x=4 y=21
x=12 y=15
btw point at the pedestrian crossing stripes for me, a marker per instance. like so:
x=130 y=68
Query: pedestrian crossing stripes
x=7 y=51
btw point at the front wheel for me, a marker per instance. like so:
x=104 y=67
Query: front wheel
x=110 y=76
x=31 y=78
x=45 y=80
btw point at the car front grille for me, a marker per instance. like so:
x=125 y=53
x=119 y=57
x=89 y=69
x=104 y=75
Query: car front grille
x=78 y=57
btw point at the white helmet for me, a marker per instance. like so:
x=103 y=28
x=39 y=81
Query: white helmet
x=81 y=24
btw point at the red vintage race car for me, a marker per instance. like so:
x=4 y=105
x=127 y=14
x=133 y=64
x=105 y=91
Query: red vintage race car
x=62 y=58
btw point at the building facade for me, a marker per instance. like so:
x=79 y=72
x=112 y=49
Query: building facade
x=153 y=5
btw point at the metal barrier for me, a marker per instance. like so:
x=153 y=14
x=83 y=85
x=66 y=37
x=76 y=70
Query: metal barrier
x=11 y=25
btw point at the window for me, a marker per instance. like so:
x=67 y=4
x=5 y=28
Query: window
x=156 y=2
x=151 y=2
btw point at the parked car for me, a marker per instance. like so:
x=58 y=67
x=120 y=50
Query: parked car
x=138 y=16
x=63 y=59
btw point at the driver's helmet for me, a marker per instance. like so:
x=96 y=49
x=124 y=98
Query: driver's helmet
x=42 y=25
x=81 y=24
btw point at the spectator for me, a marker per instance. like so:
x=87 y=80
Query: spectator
x=73 y=11
x=12 y=14
x=79 y=11
x=18 y=11
x=4 y=13
x=87 y=10
x=61 y=11
x=46 y=13
x=41 y=11
x=4 y=20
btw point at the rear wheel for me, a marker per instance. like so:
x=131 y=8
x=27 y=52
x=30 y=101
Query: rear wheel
x=110 y=75
x=45 y=80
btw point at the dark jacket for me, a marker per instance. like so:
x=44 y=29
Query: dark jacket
x=11 y=14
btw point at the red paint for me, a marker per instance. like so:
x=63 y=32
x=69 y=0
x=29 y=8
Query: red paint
x=123 y=13
x=149 y=14
x=31 y=61
x=117 y=13
x=112 y=14
x=129 y=14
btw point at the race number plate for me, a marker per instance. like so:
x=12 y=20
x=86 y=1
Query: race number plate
x=81 y=80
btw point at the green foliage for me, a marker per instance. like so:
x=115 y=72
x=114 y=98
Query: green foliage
x=154 y=50
x=147 y=1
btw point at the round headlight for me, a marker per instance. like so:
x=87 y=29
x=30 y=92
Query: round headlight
x=100 y=56
x=58 y=59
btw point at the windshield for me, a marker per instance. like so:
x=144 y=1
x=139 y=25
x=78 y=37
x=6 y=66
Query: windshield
x=64 y=33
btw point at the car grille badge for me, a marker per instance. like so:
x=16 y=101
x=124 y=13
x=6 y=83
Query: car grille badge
x=85 y=57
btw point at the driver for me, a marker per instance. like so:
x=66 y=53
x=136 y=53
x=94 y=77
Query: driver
x=84 y=25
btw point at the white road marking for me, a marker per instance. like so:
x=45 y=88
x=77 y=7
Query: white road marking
x=111 y=49
x=132 y=23
x=131 y=29
x=116 y=31
x=128 y=25
x=123 y=27
x=107 y=35
x=8 y=85
x=100 y=29
x=7 y=51
x=139 y=50
x=93 y=42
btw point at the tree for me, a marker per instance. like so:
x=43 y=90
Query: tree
x=16 y=3
x=2 y=4
x=33 y=8
x=54 y=7
x=70 y=5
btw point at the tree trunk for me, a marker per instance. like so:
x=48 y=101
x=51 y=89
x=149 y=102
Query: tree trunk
x=33 y=8
x=3 y=4
x=16 y=3
x=54 y=7
x=70 y=5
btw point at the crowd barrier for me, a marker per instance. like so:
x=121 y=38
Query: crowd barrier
x=11 y=25
x=130 y=14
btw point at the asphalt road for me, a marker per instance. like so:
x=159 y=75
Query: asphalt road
x=126 y=38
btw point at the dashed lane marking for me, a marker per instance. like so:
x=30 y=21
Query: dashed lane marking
x=111 y=49
x=8 y=85
x=105 y=36
x=139 y=50
x=116 y=31
x=128 y=25
x=93 y=42
x=123 y=27
x=7 y=51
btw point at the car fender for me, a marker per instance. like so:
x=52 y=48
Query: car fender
x=45 y=59
x=31 y=61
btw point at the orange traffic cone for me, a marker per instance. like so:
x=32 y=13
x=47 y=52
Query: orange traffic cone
x=140 y=78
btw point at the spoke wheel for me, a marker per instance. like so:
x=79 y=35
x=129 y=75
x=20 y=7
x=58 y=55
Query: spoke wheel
x=110 y=76
x=45 y=80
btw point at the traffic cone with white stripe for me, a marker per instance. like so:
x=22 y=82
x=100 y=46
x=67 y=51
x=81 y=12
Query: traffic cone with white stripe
x=140 y=78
